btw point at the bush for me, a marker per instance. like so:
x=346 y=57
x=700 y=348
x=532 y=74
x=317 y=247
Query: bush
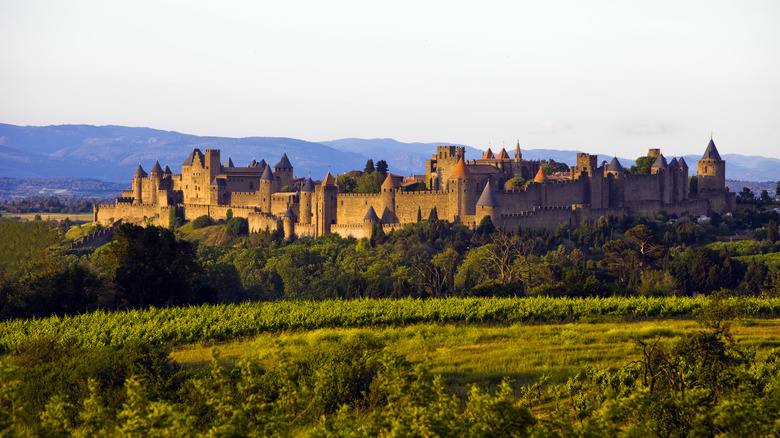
x=202 y=221
x=237 y=226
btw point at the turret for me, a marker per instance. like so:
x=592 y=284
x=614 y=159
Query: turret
x=305 y=210
x=661 y=168
x=284 y=171
x=518 y=154
x=370 y=220
x=389 y=188
x=326 y=200
x=711 y=170
x=461 y=192
x=155 y=178
x=289 y=223
x=615 y=169
x=266 y=189
x=138 y=185
x=488 y=205
x=229 y=162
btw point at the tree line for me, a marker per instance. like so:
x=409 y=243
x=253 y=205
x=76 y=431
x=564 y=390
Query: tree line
x=152 y=266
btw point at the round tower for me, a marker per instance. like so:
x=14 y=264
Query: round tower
x=305 y=204
x=389 y=187
x=661 y=168
x=138 y=185
x=155 y=178
x=284 y=171
x=266 y=189
x=289 y=224
x=461 y=192
x=711 y=170
x=488 y=205
x=370 y=220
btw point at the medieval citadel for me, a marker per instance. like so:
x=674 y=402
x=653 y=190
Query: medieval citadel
x=462 y=191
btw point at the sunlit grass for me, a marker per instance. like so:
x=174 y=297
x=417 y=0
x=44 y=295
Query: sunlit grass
x=465 y=354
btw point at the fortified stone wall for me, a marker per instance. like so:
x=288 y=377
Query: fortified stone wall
x=244 y=199
x=137 y=214
x=216 y=212
x=352 y=207
x=408 y=203
x=264 y=222
x=642 y=188
x=547 y=218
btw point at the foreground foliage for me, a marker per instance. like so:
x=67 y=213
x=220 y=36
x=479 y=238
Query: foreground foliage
x=704 y=385
x=184 y=325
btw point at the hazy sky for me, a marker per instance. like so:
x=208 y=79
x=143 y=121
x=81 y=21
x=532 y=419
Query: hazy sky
x=611 y=77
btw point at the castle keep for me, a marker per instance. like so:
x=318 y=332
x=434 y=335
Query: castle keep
x=462 y=191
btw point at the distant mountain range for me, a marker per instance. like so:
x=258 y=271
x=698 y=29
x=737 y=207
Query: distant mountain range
x=111 y=153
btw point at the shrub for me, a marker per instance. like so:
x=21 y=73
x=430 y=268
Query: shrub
x=237 y=226
x=202 y=221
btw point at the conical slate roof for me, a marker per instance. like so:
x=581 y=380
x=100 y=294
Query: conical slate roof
x=308 y=186
x=229 y=162
x=488 y=154
x=267 y=174
x=262 y=163
x=488 y=198
x=615 y=166
x=289 y=212
x=156 y=168
x=674 y=164
x=219 y=182
x=540 y=176
x=140 y=172
x=329 y=180
x=503 y=155
x=660 y=162
x=253 y=163
x=371 y=215
x=461 y=171
x=711 y=153
x=682 y=163
x=167 y=171
x=284 y=163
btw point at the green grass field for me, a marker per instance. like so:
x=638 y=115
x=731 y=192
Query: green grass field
x=81 y=217
x=485 y=354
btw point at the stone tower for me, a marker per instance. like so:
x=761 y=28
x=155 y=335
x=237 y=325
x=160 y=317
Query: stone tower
x=266 y=189
x=711 y=170
x=289 y=224
x=488 y=205
x=441 y=165
x=138 y=178
x=389 y=189
x=155 y=178
x=461 y=192
x=304 y=209
x=661 y=167
x=326 y=200
x=370 y=220
x=284 y=171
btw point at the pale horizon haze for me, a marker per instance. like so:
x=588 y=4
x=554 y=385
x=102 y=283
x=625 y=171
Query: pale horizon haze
x=610 y=77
